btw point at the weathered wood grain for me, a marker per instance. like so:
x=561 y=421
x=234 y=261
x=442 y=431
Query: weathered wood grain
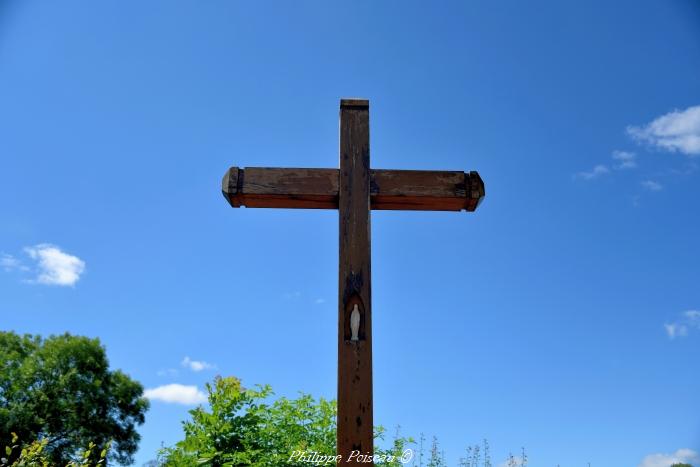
x=355 y=418
x=420 y=190
x=264 y=187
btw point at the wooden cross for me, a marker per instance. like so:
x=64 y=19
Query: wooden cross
x=353 y=190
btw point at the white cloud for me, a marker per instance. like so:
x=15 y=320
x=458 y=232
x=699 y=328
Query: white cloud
x=196 y=365
x=675 y=131
x=692 y=317
x=689 y=320
x=674 y=330
x=176 y=394
x=666 y=460
x=318 y=301
x=597 y=171
x=55 y=267
x=168 y=372
x=625 y=159
x=651 y=185
x=9 y=262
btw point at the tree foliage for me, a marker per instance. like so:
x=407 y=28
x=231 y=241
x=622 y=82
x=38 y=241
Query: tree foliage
x=241 y=427
x=60 y=391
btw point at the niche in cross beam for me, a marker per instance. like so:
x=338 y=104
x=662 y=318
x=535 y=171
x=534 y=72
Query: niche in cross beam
x=354 y=319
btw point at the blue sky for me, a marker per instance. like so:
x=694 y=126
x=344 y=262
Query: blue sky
x=561 y=316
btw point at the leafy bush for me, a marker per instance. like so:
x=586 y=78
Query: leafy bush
x=242 y=428
x=34 y=455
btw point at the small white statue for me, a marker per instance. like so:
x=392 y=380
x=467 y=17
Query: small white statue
x=355 y=323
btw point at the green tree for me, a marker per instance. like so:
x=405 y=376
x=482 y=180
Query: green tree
x=681 y=465
x=242 y=428
x=60 y=390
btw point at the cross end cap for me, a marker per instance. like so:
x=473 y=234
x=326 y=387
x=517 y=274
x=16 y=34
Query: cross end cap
x=477 y=191
x=354 y=103
x=229 y=186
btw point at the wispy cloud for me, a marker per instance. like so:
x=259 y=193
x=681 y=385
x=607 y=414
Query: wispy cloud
x=176 y=394
x=168 y=372
x=625 y=160
x=319 y=301
x=681 y=456
x=651 y=185
x=677 y=131
x=196 y=365
x=55 y=267
x=596 y=172
x=674 y=330
x=10 y=263
x=688 y=321
x=622 y=160
x=688 y=169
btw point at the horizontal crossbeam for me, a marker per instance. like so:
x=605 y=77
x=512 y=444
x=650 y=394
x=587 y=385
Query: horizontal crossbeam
x=403 y=190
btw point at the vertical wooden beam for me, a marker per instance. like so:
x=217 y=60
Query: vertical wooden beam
x=355 y=423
